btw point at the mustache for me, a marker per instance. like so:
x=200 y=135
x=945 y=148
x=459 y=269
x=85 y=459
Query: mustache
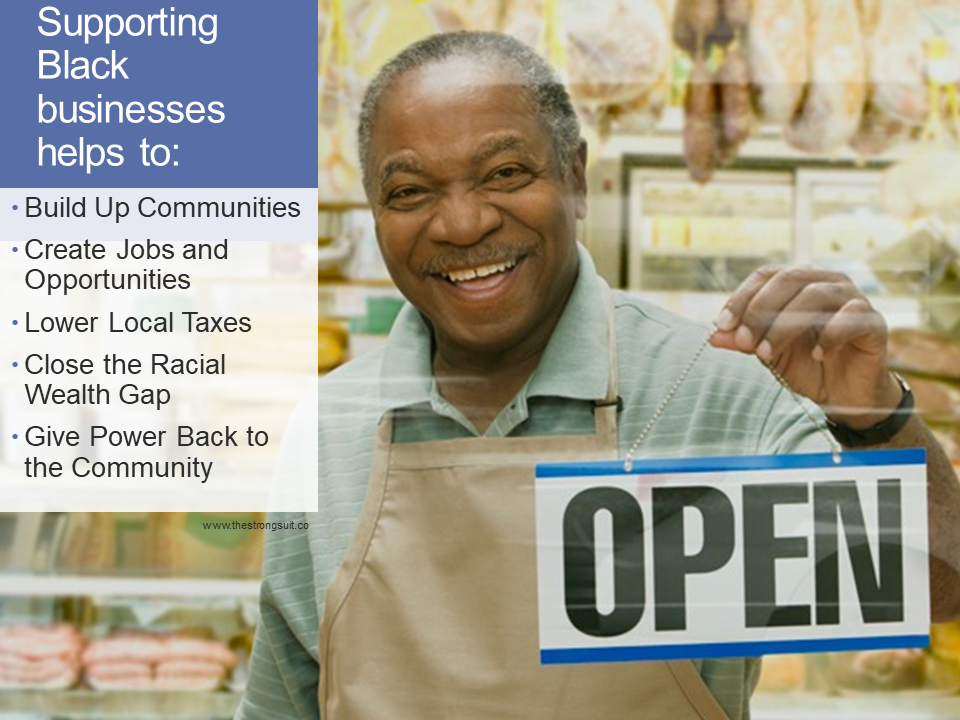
x=489 y=253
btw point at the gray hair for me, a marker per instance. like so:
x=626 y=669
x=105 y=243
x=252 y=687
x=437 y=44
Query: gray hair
x=538 y=80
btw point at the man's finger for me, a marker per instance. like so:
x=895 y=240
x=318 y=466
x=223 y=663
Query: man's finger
x=723 y=340
x=808 y=311
x=828 y=293
x=855 y=321
x=729 y=317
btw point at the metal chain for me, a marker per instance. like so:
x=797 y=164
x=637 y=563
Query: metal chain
x=821 y=426
x=628 y=460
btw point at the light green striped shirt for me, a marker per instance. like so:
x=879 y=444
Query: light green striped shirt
x=728 y=405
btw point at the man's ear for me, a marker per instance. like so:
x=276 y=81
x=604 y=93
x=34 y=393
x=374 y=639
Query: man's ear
x=578 y=178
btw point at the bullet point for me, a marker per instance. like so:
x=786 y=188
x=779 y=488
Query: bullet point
x=15 y=364
x=14 y=249
x=14 y=322
x=14 y=436
x=14 y=207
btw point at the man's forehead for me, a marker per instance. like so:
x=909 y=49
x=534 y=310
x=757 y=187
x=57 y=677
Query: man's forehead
x=422 y=113
x=451 y=81
x=502 y=142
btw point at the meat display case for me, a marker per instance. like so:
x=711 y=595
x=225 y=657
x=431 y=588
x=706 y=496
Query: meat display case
x=652 y=231
x=39 y=587
x=679 y=236
x=132 y=705
x=69 y=597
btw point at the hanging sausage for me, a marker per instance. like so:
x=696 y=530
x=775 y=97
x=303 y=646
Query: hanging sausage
x=832 y=107
x=778 y=58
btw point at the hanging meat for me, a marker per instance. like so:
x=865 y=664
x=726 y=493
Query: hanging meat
x=618 y=59
x=836 y=95
x=701 y=129
x=897 y=84
x=736 y=14
x=733 y=79
x=869 y=12
x=700 y=24
x=878 y=132
x=618 y=51
x=639 y=116
x=777 y=53
x=338 y=97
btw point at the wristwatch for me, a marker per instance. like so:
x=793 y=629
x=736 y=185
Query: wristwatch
x=883 y=431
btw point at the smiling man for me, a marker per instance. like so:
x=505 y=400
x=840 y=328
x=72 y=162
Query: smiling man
x=476 y=215
x=413 y=594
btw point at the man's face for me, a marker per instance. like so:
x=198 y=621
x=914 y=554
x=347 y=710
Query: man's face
x=474 y=217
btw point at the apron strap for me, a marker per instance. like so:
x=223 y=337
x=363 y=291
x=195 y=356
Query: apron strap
x=605 y=411
x=384 y=436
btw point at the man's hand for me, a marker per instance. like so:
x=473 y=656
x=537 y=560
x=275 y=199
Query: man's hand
x=820 y=334
x=828 y=343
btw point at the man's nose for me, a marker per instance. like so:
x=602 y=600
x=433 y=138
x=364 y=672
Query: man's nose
x=464 y=217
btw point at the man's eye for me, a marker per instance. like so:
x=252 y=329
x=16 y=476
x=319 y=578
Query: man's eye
x=509 y=177
x=508 y=172
x=404 y=195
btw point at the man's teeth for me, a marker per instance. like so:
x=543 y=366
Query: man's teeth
x=473 y=273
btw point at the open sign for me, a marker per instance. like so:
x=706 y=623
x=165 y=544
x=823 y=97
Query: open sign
x=738 y=556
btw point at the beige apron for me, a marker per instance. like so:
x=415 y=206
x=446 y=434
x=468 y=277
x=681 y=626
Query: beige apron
x=433 y=613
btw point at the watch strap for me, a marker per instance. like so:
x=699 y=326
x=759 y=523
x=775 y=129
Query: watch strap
x=883 y=431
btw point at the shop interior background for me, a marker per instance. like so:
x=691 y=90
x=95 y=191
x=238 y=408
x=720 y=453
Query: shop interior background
x=706 y=162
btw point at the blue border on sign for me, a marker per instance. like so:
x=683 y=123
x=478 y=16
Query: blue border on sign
x=909 y=456
x=720 y=650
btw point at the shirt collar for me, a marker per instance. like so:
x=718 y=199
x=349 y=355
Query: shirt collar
x=406 y=372
x=575 y=363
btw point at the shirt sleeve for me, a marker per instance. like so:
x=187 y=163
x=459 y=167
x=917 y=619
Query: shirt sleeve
x=284 y=671
x=793 y=425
